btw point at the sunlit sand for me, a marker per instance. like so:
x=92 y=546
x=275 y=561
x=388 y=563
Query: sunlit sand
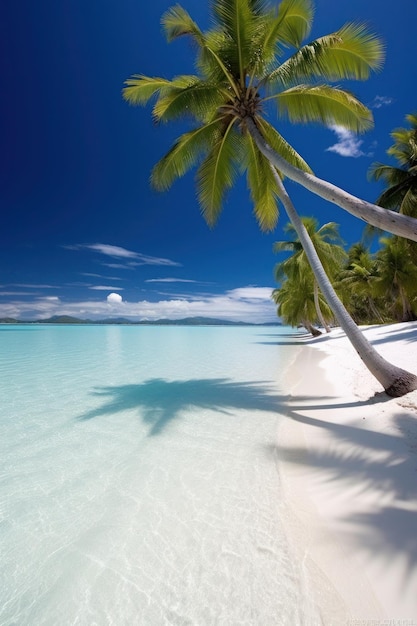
x=349 y=464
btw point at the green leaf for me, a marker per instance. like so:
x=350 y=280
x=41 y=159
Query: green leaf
x=349 y=53
x=140 y=88
x=262 y=185
x=177 y=22
x=278 y=143
x=186 y=152
x=324 y=104
x=189 y=96
x=409 y=203
x=217 y=173
x=294 y=21
x=236 y=19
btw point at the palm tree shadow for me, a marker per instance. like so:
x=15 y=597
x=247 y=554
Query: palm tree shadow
x=379 y=461
x=160 y=401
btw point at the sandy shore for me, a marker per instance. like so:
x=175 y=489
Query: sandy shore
x=348 y=462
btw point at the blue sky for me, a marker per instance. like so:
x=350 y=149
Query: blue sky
x=83 y=234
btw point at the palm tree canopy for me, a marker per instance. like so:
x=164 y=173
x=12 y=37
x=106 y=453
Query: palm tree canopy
x=244 y=63
x=328 y=245
x=401 y=192
x=397 y=273
x=295 y=302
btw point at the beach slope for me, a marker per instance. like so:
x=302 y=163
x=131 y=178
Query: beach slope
x=348 y=462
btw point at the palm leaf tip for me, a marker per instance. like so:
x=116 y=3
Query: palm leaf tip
x=140 y=89
x=361 y=50
x=176 y=22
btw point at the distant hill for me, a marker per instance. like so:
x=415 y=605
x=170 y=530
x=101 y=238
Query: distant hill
x=188 y=321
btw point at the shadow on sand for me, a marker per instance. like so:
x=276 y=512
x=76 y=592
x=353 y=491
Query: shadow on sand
x=389 y=530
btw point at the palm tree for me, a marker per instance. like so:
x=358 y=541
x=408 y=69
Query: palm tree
x=237 y=76
x=355 y=285
x=397 y=278
x=331 y=255
x=296 y=305
x=401 y=192
x=401 y=182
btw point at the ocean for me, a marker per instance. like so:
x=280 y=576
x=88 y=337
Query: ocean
x=139 y=482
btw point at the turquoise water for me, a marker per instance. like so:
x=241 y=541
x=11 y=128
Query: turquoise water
x=138 y=481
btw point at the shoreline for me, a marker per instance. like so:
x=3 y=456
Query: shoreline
x=347 y=459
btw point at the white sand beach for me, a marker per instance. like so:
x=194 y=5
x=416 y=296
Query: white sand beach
x=348 y=461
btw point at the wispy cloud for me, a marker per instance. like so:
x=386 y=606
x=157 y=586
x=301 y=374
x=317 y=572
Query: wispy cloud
x=348 y=144
x=133 y=258
x=381 y=101
x=247 y=304
x=169 y=280
x=106 y=288
x=29 y=286
x=17 y=293
x=90 y=274
x=120 y=266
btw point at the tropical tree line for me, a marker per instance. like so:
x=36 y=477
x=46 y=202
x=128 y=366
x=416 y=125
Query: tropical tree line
x=379 y=287
x=375 y=287
x=253 y=57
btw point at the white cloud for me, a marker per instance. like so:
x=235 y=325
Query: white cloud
x=169 y=280
x=114 y=298
x=381 y=101
x=119 y=266
x=105 y=288
x=348 y=144
x=16 y=293
x=29 y=286
x=251 y=293
x=246 y=304
x=113 y=251
x=133 y=258
x=100 y=276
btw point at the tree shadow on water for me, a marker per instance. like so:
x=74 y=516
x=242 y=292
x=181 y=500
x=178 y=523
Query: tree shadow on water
x=160 y=401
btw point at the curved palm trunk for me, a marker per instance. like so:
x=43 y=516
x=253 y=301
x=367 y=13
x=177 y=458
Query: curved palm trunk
x=318 y=309
x=395 y=380
x=387 y=220
x=310 y=328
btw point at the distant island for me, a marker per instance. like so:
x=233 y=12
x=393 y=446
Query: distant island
x=187 y=321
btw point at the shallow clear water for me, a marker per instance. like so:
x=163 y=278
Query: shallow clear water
x=138 y=481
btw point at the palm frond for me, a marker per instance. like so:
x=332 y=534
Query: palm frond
x=409 y=203
x=286 y=246
x=392 y=197
x=388 y=173
x=277 y=30
x=278 y=143
x=188 y=96
x=235 y=18
x=262 y=185
x=293 y=22
x=140 y=89
x=177 y=22
x=324 y=104
x=217 y=173
x=186 y=152
x=330 y=232
x=350 y=53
